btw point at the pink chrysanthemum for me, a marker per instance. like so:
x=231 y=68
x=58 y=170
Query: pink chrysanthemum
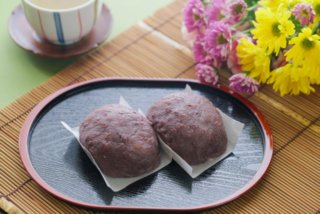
x=218 y=40
x=243 y=84
x=194 y=16
x=238 y=10
x=304 y=13
x=218 y=11
x=206 y=74
x=200 y=52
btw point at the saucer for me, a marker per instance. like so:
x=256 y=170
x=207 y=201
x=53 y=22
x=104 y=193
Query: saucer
x=24 y=36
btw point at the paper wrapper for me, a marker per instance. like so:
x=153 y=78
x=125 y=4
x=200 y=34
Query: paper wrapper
x=117 y=184
x=233 y=130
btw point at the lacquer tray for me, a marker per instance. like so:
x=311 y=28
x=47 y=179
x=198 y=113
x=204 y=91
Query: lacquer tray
x=57 y=163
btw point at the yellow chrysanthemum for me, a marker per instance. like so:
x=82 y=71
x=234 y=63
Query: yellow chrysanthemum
x=305 y=52
x=274 y=4
x=272 y=29
x=290 y=79
x=254 y=60
x=315 y=76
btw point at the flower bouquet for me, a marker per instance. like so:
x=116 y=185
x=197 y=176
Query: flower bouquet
x=273 y=42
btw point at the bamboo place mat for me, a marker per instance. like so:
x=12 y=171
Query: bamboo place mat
x=154 y=48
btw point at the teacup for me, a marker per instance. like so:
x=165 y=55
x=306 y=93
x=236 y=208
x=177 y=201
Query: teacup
x=62 y=22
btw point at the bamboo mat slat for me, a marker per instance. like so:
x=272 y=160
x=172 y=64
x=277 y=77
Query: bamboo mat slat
x=306 y=106
x=39 y=201
x=155 y=48
x=1 y=122
x=170 y=29
x=10 y=160
x=316 y=126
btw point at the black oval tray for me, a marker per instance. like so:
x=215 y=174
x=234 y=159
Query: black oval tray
x=57 y=163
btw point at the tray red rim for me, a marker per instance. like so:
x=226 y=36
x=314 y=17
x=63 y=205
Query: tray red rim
x=23 y=148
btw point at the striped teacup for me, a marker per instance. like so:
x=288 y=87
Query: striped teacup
x=63 y=26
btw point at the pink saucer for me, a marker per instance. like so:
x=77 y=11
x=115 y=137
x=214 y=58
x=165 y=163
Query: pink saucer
x=21 y=32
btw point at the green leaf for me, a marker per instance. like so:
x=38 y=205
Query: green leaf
x=251 y=2
x=296 y=23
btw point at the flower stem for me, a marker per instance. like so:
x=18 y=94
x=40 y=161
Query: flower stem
x=206 y=2
x=252 y=8
x=247 y=30
x=238 y=23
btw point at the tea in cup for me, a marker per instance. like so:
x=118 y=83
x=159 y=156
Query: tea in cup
x=62 y=22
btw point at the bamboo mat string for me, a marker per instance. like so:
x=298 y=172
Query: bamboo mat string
x=296 y=136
